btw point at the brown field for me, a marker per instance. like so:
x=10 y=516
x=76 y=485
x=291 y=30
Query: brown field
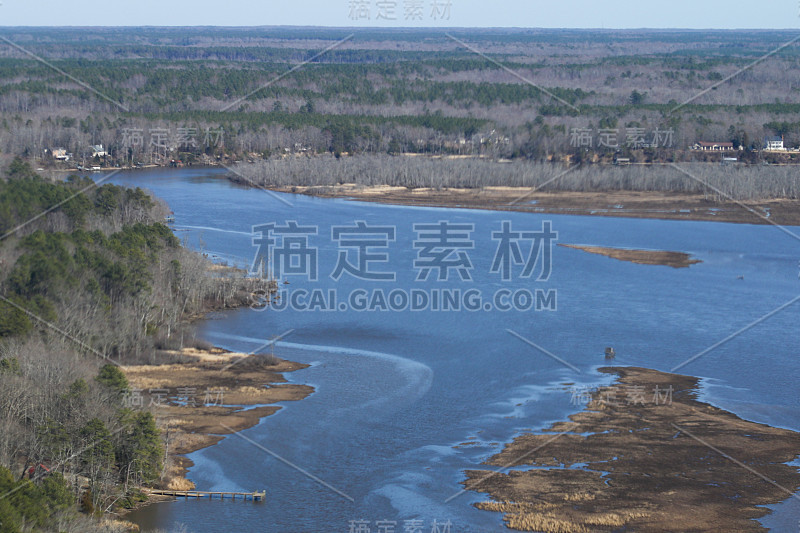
x=650 y=466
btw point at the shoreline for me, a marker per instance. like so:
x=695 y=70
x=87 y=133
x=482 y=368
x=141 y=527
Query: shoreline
x=614 y=464
x=616 y=203
x=210 y=389
x=628 y=204
x=141 y=167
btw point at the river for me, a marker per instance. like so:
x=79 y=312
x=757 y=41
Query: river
x=397 y=390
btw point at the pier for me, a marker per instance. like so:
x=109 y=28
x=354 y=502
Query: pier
x=255 y=496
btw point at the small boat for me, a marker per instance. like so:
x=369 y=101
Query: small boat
x=610 y=353
x=169 y=219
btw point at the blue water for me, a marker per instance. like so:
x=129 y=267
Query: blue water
x=397 y=390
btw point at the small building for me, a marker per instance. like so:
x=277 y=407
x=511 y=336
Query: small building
x=60 y=154
x=705 y=146
x=98 y=151
x=774 y=144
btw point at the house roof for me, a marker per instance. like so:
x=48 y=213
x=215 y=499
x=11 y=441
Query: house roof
x=774 y=139
x=706 y=143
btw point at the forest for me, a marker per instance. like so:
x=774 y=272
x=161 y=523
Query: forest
x=151 y=95
x=96 y=283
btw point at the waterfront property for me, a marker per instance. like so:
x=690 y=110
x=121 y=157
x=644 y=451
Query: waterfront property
x=704 y=146
x=774 y=144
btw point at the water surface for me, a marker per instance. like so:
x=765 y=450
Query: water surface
x=397 y=391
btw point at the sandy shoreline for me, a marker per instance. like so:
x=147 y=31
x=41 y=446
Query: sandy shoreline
x=645 y=459
x=630 y=204
x=194 y=400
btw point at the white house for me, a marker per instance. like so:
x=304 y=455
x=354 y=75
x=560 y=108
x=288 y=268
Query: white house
x=774 y=144
x=98 y=151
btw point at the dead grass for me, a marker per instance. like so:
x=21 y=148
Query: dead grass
x=549 y=519
x=628 y=204
x=639 y=471
x=641 y=257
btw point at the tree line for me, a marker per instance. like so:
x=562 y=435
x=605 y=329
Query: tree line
x=744 y=183
x=416 y=91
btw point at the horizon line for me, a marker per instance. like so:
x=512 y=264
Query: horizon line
x=417 y=28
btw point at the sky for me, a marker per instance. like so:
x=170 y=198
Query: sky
x=725 y=14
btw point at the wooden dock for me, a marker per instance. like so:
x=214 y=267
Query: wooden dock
x=254 y=496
